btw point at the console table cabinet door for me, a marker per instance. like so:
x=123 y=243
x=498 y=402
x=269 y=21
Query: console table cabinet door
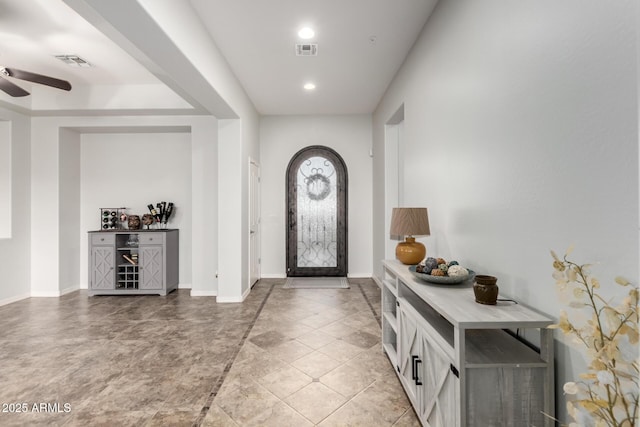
x=438 y=406
x=425 y=370
x=102 y=262
x=408 y=349
x=151 y=263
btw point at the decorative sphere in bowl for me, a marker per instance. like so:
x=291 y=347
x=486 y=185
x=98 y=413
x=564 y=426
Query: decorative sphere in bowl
x=457 y=271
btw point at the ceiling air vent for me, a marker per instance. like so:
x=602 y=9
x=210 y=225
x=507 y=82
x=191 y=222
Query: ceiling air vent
x=306 y=49
x=73 y=60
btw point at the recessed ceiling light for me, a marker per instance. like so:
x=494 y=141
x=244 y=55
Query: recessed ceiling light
x=309 y=86
x=306 y=33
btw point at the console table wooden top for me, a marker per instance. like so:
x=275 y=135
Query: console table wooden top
x=456 y=303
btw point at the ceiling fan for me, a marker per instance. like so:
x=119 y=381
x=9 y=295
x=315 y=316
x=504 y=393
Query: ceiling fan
x=15 y=90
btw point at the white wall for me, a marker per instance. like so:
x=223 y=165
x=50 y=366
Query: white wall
x=163 y=134
x=15 y=246
x=281 y=137
x=5 y=179
x=230 y=212
x=204 y=203
x=169 y=38
x=237 y=141
x=132 y=171
x=69 y=202
x=521 y=136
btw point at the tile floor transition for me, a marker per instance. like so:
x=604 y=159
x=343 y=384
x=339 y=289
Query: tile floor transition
x=284 y=357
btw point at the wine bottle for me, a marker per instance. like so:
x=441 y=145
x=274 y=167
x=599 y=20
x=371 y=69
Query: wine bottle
x=169 y=211
x=152 y=210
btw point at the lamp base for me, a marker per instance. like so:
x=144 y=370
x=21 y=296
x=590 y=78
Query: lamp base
x=410 y=252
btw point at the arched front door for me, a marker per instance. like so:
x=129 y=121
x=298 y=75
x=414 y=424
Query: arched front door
x=316 y=213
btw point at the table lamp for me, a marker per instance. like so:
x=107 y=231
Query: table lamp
x=409 y=222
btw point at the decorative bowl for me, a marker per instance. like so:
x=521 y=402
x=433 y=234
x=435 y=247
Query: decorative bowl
x=442 y=280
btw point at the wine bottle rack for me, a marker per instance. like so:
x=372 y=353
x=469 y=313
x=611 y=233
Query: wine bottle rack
x=127 y=276
x=128 y=271
x=110 y=218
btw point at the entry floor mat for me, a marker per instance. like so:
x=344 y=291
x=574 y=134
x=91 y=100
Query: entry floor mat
x=316 y=283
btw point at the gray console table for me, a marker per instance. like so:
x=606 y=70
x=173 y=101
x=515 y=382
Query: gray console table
x=126 y=262
x=461 y=363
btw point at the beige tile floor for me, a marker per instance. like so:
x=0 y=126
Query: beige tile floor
x=284 y=357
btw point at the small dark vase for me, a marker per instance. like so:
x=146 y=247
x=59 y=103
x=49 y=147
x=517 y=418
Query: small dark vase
x=485 y=289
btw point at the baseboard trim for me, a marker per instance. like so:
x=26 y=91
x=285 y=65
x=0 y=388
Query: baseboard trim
x=184 y=286
x=199 y=293
x=284 y=276
x=378 y=281
x=224 y=300
x=14 y=299
x=69 y=290
x=359 y=275
x=45 y=294
x=273 y=276
x=55 y=294
x=234 y=299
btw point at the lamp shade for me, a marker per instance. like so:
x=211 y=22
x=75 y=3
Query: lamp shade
x=409 y=222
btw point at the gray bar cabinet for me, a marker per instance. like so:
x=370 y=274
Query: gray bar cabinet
x=129 y=262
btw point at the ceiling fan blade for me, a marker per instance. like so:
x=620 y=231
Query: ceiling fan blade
x=38 y=78
x=12 y=89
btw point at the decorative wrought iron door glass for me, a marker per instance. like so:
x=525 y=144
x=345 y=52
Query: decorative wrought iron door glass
x=317 y=213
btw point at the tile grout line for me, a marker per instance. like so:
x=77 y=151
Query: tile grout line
x=375 y=315
x=227 y=368
x=342 y=363
x=254 y=321
x=392 y=367
x=373 y=311
x=349 y=400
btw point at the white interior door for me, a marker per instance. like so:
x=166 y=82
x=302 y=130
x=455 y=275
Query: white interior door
x=254 y=222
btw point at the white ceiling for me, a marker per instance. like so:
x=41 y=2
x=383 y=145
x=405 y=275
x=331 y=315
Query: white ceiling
x=351 y=71
x=32 y=32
